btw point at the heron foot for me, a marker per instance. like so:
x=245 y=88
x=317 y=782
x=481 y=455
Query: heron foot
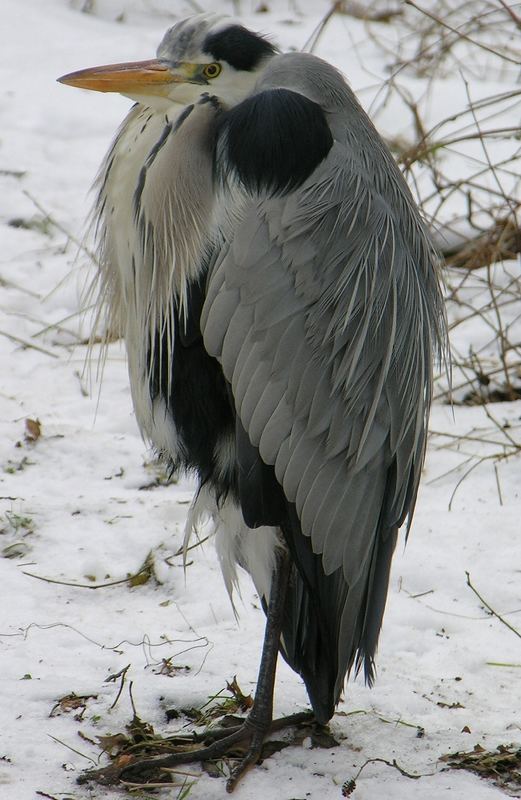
x=218 y=743
x=256 y=733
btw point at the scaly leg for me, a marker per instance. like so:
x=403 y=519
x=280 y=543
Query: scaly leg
x=261 y=714
x=259 y=721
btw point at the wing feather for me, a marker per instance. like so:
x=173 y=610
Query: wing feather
x=262 y=413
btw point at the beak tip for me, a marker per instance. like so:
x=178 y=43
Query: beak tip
x=65 y=79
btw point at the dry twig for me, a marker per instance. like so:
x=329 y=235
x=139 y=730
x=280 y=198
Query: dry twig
x=489 y=607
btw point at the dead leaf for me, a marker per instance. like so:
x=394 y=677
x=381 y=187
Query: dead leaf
x=244 y=702
x=71 y=702
x=112 y=744
x=502 y=766
x=33 y=430
x=145 y=573
x=124 y=761
x=139 y=730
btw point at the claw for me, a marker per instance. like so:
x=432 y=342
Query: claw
x=251 y=758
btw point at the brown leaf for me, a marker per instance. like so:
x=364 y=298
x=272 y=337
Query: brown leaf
x=502 y=766
x=124 y=761
x=70 y=702
x=244 y=702
x=33 y=430
x=145 y=573
x=139 y=730
x=112 y=744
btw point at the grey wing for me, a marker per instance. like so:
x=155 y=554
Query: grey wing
x=323 y=309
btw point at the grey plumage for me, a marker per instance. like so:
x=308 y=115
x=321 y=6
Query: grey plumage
x=324 y=310
x=297 y=252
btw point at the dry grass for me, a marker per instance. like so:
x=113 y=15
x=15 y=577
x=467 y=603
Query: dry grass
x=501 y=766
x=465 y=170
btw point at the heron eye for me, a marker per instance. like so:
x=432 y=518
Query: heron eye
x=212 y=70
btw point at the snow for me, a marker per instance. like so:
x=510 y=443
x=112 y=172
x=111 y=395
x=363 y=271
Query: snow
x=73 y=507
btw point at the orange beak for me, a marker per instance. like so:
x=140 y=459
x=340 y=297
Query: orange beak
x=141 y=77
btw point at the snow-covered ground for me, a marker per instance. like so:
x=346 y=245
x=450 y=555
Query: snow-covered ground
x=74 y=508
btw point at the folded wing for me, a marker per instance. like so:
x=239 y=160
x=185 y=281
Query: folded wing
x=323 y=309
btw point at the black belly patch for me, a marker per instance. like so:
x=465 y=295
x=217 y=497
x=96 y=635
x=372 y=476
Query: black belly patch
x=196 y=396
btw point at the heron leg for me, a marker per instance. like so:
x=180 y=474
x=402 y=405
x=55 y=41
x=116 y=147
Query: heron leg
x=255 y=727
x=261 y=714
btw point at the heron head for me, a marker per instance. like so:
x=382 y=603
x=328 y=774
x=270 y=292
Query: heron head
x=205 y=53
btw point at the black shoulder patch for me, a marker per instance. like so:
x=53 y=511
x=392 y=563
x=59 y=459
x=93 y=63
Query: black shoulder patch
x=238 y=46
x=274 y=140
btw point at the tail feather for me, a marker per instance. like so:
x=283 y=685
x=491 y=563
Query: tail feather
x=328 y=625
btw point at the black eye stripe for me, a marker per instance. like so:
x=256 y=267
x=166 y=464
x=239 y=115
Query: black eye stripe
x=238 y=46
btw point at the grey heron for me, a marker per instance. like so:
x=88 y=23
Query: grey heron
x=278 y=293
